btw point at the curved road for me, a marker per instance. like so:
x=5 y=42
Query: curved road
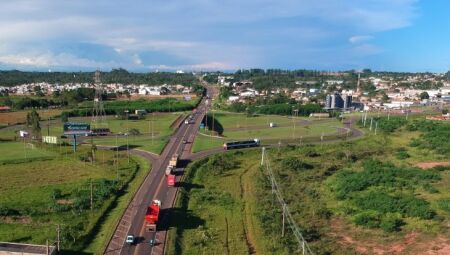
x=154 y=187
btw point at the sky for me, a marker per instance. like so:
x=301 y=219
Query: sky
x=148 y=35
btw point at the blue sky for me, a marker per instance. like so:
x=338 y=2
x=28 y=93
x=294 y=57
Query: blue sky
x=144 y=35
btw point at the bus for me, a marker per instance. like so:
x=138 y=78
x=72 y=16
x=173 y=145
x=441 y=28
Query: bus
x=241 y=144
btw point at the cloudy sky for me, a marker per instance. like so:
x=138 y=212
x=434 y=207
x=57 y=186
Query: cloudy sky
x=144 y=35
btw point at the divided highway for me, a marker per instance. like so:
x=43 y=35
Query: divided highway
x=155 y=187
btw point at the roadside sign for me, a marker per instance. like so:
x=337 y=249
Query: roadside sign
x=50 y=139
x=76 y=128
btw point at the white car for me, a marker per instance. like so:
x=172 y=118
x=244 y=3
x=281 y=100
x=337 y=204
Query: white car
x=130 y=239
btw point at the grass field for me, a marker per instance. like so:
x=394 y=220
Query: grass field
x=11 y=118
x=106 y=229
x=37 y=195
x=221 y=225
x=229 y=208
x=20 y=150
x=158 y=124
x=240 y=127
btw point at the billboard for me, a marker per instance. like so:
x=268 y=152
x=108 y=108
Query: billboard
x=76 y=128
x=50 y=139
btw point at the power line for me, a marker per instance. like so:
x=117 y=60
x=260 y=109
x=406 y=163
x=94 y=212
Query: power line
x=286 y=214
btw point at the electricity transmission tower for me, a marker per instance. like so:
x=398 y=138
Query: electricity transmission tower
x=98 y=121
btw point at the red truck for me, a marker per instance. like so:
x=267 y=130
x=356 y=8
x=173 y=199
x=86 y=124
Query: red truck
x=171 y=180
x=151 y=216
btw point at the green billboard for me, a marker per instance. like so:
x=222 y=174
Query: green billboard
x=76 y=128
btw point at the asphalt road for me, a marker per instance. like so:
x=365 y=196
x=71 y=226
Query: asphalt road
x=155 y=187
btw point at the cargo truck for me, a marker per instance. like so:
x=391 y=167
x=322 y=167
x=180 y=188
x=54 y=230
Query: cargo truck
x=174 y=161
x=152 y=215
x=171 y=180
x=169 y=170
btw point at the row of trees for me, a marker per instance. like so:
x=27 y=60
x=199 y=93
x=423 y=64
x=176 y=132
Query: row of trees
x=14 y=77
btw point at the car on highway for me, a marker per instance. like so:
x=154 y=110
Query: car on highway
x=130 y=239
x=184 y=141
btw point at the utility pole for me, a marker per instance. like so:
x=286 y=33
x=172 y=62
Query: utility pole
x=376 y=127
x=365 y=118
x=58 y=237
x=92 y=197
x=284 y=219
x=24 y=147
x=371 y=121
x=262 y=155
x=153 y=120
x=48 y=126
x=117 y=160
x=48 y=249
x=128 y=134
x=295 y=114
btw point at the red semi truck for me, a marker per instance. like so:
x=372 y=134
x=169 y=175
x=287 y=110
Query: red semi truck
x=171 y=180
x=152 y=215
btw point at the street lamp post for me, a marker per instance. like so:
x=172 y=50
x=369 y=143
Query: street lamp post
x=128 y=133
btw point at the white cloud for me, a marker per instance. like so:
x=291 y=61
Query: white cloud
x=50 y=59
x=202 y=33
x=360 y=38
x=201 y=66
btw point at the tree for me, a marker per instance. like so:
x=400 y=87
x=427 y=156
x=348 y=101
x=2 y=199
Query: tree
x=385 y=97
x=134 y=131
x=93 y=150
x=64 y=116
x=444 y=111
x=424 y=95
x=34 y=122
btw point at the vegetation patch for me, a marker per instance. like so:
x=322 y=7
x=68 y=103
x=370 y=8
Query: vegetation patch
x=65 y=190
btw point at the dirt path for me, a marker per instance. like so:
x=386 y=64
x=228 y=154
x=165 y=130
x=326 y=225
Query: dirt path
x=247 y=221
x=226 y=237
x=428 y=165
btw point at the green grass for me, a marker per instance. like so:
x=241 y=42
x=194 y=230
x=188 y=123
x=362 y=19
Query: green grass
x=20 y=150
x=158 y=124
x=209 y=197
x=106 y=230
x=219 y=225
x=32 y=214
x=240 y=127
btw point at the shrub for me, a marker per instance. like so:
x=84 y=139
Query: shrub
x=402 y=155
x=391 y=222
x=444 y=204
x=429 y=188
x=221 y=163
x=296 y=164
x=369 y=219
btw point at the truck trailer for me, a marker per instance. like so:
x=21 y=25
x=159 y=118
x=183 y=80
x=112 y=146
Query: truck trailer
x=169 y=170
x=152 y=215
x=174 y=161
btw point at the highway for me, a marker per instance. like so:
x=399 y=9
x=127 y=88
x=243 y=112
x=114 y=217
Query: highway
x=155 y=187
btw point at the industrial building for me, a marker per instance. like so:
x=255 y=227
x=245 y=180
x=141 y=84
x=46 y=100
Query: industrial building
x=336 y=101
